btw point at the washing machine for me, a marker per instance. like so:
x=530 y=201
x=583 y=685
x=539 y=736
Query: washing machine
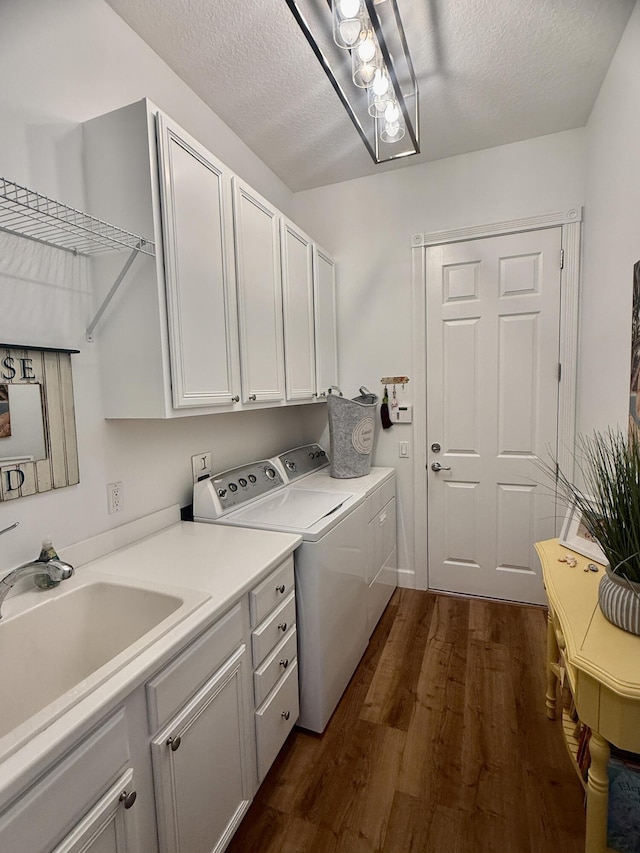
x=332 y=618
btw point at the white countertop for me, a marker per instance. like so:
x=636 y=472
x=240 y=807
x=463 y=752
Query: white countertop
x=221 y=563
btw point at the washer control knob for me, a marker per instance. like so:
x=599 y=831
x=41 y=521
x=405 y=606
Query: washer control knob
x=289 y=465
x=270 y=472
x=233 y=487
x=252 y=478
x=222 y=493
x=242 y=482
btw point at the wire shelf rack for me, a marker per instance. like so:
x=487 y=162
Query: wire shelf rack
x=37 y=217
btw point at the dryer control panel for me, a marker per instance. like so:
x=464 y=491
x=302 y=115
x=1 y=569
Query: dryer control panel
x=300 y=461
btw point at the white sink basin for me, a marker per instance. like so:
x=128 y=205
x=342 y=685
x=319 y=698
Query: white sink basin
x=79 y=635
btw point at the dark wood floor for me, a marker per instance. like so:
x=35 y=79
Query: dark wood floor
x=439 y=745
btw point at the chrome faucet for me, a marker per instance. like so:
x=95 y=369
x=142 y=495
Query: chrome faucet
x=54 y=570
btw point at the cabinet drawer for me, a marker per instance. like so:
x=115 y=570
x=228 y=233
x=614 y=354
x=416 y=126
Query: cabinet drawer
x=169 y=690
x=284 y=654
x=273 y=629
x=47 y=812
x=271 y=592
x=275 y=719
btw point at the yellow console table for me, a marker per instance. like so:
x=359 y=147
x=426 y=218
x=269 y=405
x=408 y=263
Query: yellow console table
x=603 y=667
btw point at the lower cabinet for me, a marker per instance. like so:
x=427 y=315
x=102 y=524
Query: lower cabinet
x=275 y=665
x=84 y=804
x=174 y=767
x=200 y=765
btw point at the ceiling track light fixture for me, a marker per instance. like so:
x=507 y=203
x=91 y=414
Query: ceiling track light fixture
x=362 y=48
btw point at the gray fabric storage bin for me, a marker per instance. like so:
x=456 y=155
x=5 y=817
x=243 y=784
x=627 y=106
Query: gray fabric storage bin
x=351 y=431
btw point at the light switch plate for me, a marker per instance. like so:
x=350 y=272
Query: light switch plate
x=201 y=465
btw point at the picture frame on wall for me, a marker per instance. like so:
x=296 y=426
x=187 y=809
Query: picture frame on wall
x=576 y=537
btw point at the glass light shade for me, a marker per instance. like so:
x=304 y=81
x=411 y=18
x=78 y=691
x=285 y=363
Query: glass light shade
x=381 y=82
x=393 y=131
x=348 y=22
x=392 y=112
x=366 y=60
x=377 y=103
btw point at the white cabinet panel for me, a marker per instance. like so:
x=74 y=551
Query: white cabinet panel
x=297 y=301
x=198 y=251
x=259 y=296
x=324 y=282
x=201 y=765
x=107 y=827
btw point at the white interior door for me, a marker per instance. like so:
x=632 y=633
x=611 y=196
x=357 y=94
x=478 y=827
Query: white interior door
x=493 y=317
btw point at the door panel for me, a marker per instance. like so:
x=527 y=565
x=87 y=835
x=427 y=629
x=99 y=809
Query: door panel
x=492 y=403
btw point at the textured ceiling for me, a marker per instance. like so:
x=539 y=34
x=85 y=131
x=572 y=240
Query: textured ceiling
x=489 y=72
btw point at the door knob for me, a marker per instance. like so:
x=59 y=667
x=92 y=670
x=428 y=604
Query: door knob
x=436 y=466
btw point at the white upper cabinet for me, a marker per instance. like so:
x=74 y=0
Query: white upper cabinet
x=234 y=293
x=259 y=295
x=297 y=305
x=198 y=254
x=324 y=294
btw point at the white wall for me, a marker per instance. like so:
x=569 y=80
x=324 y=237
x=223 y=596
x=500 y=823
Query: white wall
x=60 y=64
x=612 y=239
x=368 y=224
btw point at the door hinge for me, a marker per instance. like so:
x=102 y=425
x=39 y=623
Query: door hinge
x=561 y=259
x=559 y=371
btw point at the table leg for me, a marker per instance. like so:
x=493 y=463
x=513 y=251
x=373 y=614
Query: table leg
x=552 y=658
x=597 y=795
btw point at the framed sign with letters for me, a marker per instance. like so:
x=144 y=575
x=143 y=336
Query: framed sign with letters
x=38 y=445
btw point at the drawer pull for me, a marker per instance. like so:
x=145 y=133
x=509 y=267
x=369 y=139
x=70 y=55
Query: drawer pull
x=280 y=588
x=285 y=714
x=284 y=662
x=128 y=798
x=282 y=627
x=174 y=742
x=253 y=398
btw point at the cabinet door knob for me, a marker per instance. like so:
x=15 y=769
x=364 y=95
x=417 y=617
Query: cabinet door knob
x=280 y=588
x=174 y=742
x=283 y=626
x=285 y=714
x=253 y=397
x=128 y=798
x=235 y=399
x=284 y=663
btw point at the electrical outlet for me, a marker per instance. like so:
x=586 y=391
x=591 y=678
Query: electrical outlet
x=201 y=465
x=114 y=497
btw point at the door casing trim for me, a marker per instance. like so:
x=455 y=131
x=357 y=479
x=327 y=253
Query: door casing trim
x=570 y=220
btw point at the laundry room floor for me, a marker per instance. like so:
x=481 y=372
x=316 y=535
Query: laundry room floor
x=440 y=744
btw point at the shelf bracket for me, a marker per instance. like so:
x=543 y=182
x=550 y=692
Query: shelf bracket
x=114 y=287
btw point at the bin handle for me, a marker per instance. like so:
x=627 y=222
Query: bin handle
x=337 y=389
x=365 y=390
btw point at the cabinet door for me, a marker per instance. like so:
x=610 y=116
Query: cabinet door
x=297 y=303
x=324 y=281
x=107 y=828
x=200 y=765
x=259 y=296
x=198 y=255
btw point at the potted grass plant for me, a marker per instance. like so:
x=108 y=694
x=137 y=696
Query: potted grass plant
x=609 y=503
